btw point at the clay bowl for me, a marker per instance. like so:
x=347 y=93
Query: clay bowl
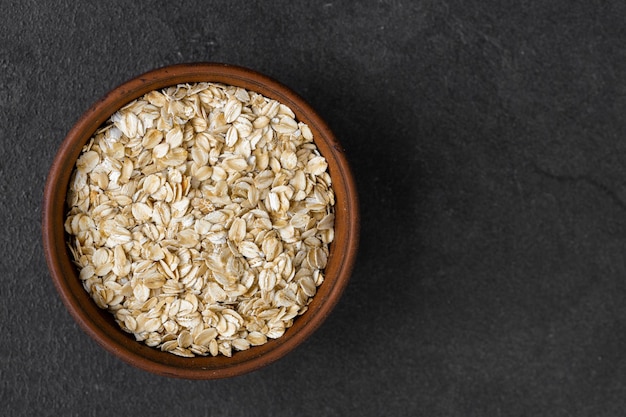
x=100 y=325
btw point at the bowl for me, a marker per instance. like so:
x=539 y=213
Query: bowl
x=100 y=325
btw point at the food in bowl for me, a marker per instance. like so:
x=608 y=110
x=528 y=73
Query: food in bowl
x=200 y=216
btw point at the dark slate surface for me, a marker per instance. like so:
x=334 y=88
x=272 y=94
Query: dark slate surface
x=487 y=138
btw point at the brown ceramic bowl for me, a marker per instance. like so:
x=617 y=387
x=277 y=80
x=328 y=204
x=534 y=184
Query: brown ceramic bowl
x=99 y=324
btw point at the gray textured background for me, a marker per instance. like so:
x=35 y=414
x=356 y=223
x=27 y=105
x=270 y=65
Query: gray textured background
x=487 y=138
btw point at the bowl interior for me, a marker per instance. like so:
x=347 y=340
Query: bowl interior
x=99 y=324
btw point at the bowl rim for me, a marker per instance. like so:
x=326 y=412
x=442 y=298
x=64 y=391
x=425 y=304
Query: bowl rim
x=53 y=213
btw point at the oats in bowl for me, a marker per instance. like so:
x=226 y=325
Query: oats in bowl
x=200 y=216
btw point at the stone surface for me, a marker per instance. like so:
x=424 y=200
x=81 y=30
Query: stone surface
x=487 y=139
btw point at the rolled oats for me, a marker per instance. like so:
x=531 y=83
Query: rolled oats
x=200 y=216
